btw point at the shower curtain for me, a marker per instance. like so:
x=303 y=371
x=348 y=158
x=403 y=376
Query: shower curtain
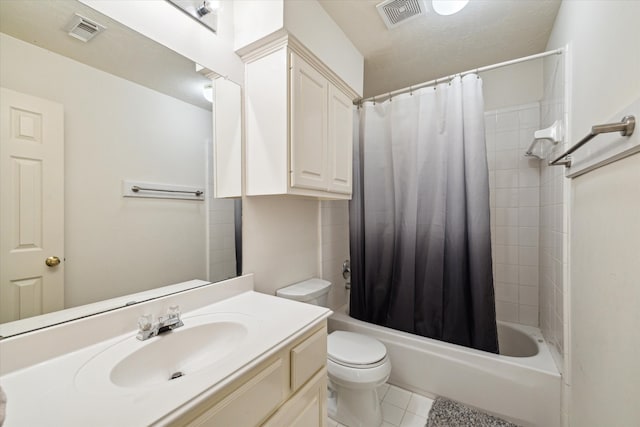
x=419 y=217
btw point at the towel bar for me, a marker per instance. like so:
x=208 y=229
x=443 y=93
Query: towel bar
x=625 y=127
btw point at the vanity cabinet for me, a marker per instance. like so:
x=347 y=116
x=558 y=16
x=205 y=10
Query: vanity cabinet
x=299 y=125
x=286 y=389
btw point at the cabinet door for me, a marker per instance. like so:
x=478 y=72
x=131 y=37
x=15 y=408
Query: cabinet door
x=307 y=408
x=340 y=149
x=250 y=403
x=308 y=126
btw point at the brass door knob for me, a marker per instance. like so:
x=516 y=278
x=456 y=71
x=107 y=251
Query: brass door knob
x=52 y=261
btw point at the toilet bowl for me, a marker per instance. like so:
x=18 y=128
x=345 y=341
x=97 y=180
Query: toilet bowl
x=356 y=364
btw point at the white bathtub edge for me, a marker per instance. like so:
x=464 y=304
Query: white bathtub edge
x=525 y=393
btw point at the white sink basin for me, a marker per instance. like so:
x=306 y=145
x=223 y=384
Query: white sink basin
x=169 y=357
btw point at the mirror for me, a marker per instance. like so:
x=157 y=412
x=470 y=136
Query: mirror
x=203 y=11
x=132 y=110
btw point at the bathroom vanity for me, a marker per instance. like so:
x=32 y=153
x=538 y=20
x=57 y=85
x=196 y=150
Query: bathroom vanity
x=241 y=359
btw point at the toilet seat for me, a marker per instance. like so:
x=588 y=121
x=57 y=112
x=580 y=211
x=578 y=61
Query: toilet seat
x=354 y=350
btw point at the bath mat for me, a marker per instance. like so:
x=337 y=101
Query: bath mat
x=447 y=413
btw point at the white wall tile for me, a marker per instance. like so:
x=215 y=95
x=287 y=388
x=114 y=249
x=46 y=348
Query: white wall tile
x=490 y=122
x=528 y=177
x=507 y=140
x=506 y=292
x=506 y=254
x=528 y=315
x=529 y=197
x=507 y=159
x=507 y=236
x=528 y=256
x=506 y=198
x=528 y=295
x=507 y=178
x=529 y=117
x=507 y=121
x=528 y=275
x=552 y=217
x=506 y=217
x=528 y=236
x=506 y=273
x=506 y=311
x=528 y=216
x=515 y=198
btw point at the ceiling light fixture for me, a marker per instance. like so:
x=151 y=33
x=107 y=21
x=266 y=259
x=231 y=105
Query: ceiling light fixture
x=448 y=7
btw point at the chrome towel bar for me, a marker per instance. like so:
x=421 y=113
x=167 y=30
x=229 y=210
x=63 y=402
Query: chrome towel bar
x=136 y=188
x=625 y=127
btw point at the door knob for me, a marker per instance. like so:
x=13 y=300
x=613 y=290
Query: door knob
x=52 y=261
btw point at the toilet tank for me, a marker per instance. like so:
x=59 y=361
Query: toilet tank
x=312 y=291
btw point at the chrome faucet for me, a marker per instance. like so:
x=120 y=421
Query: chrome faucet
x=148 y=329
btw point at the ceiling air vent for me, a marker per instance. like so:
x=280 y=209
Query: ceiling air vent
x=396 y=12
x=83 y=28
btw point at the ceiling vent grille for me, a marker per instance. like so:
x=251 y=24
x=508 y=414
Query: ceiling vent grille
x=396 y=12
x=83 y=28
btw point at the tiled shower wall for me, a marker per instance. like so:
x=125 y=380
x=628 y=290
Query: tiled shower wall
x=553 y=227
x=514 y=184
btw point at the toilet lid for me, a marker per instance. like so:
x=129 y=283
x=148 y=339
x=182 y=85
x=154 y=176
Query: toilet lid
x=350 y=349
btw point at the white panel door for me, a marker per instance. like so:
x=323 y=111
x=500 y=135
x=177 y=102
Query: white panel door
x=340 y=141
x=31 y=206
x=308 y=126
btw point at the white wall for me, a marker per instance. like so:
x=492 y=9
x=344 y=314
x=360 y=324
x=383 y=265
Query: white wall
x=255 y=19
x=280 y=238
x=513 y=85
x=116 y=130
x=310 y=24
x=603 y=294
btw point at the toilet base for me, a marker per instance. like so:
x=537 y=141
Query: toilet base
x=354 y=408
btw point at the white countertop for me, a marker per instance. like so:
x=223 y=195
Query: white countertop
x=50 y=394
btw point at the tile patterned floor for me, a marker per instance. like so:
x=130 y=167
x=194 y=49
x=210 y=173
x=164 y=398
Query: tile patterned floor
x=400 y=408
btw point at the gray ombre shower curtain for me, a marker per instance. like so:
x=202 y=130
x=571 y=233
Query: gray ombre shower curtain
x=419 y=217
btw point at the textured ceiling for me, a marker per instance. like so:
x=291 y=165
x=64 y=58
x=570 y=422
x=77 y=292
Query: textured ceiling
x=432 y=46
x=119 y=50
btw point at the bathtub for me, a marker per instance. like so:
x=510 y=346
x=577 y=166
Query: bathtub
x=521 y=385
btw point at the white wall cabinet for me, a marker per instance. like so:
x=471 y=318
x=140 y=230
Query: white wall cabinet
x=308 y=122
x=287 y=389
x=299 y=126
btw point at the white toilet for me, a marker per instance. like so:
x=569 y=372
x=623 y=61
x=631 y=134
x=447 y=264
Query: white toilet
x=357 y=364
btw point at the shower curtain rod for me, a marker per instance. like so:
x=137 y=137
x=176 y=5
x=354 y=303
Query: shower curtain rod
x=391 y=94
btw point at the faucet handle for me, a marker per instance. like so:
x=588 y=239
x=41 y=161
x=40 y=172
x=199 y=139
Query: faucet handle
x=174 y=310
x=145 y=322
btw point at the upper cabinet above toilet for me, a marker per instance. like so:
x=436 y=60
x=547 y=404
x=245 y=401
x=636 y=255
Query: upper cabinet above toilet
x=300 y=82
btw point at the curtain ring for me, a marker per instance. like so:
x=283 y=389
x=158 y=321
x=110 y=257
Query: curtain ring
x=374 y=100
x=390 y=97
x=410 y=91
x=435 y=84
